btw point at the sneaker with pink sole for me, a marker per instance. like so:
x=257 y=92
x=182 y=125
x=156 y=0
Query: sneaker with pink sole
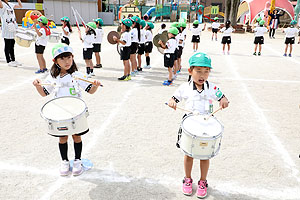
x=187 y=187
x=77 y=167
x=202 y=189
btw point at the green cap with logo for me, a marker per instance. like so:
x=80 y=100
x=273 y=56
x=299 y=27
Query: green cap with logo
x=92 y=25
x=143 y=23
x=174 y=31
x=61 y=48
x=43 y=20
x=261 y=22
x=136 y=19
x=196 y=22
x=151 y=25
x=293 y=22
x=65 y=19
x=175 y=24
x=99 y=21
x=200 y=60
x=127 y=22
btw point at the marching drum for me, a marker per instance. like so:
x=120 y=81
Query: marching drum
x=23 y=39
x=32 y=33
x=65 y=116
x=201 y=138
x=54 y=37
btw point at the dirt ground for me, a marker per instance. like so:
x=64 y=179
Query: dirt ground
x=132 y=133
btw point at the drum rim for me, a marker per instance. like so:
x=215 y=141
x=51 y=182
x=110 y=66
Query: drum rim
x=202 y=157
x=65 y=120
x=196 y=136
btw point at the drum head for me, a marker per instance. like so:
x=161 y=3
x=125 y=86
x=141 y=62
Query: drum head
x=198 y=126
x=24 y=36
x=160 y=50
x=111 y=35
x=63 y=108
x=156 y=39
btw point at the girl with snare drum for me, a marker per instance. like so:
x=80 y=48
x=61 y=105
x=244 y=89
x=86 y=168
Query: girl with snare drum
x=198 y=88
x=61 y=83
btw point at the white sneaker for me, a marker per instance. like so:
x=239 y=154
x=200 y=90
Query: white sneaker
x=228 y=53
x=17 y=63
x=147 y=66
x=12 y=64
x=88 y=75
x=92 y=74
x=77 y=167
x=64 y=168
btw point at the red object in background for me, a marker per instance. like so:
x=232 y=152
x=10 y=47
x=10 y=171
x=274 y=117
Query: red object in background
x=34 y=17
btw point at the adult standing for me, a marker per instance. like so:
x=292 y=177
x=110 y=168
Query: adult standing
x=274 y=22
x=9 y=28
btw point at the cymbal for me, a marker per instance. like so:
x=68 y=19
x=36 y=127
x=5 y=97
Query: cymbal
x=111 y=35
x=164 y=37
x=156 y=39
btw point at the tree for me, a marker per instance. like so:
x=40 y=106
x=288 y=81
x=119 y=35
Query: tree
x=231 y=9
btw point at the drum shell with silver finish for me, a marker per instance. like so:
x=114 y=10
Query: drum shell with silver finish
x=74 y=125
x=54 y=37
x=23 y=40
x=201 y=145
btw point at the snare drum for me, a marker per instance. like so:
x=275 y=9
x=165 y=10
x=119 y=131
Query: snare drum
x=23 y=39
x=54 y=37
x=32 y=33
x=201 y=139
x=65 y=116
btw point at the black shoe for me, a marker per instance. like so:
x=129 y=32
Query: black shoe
x=254 y=53
x=122 y=78
x=98 y=66
x=273 y=37
x=259 y=53
x=140 y=69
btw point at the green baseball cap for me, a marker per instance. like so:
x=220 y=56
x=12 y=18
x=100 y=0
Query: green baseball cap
x=196 y=22
x=61 y=48
x=173 y=30
x=216 y=18
x=143 y=23
x=261 y=22
x=258 y=19
x=182 y=24
x=127 y=22
x=136 y=19
x=66 y=19
x=99 y=21
x=151 y=25
x=43 y=20
x=175 y=24
x=200 y=60
x=91 y=25
x=293 y=22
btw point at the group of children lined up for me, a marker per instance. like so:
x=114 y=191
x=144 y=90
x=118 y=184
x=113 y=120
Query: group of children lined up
x=91 y=38
x=136 y=39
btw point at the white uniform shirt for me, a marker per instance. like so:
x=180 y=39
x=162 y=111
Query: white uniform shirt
x=196 y=31
x=148 y=36
x=184 y=32
x=142 y=41
x=126 y=37
x=196 y=100
x=8 y=18
x=259 y=31
x=43 y=39
x=99 y=36
x=215 y=25
x=171 y=44
x=162 y=30
x=134 y=35
x=88 y=41
x=66 y=85
x=290 y=32
x=180 y=36
x=226 y=32
x=68 y=32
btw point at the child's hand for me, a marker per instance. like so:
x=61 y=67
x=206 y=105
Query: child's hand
x=96 y=83
x=160 y=42
x=224 y=102
x=115 y=38
x=36 y=82
x=172 y=104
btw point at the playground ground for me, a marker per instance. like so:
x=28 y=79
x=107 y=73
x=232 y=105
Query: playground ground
x=132 y=135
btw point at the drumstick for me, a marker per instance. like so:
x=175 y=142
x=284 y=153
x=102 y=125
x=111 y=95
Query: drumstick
x=213 y=113
x=75 y=18
x=53 y=84
x=91 y=82
x=82 y=21
x=177 y=107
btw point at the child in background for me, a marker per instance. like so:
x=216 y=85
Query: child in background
x=215 y=28
x=196 y=31
x=135 y=38
x=67 y=30
x=162 y=28
x=197 y=88
x=61 y=73
x=125 y=43
x=148 y=43
x=259 y=36
x=290 y=34
x=141 y=44
x=41 y=42
x=169 y=52
x=98 y=41
x=226 y=38
x=88 y=39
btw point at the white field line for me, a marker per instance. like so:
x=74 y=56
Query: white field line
x=281 y=54
x=289 y=163
x=257 y=80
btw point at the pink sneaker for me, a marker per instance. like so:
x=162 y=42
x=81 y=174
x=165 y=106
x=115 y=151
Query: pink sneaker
x=187 y=187
x=202 y=189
